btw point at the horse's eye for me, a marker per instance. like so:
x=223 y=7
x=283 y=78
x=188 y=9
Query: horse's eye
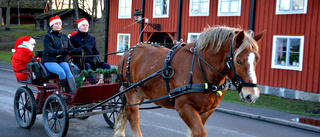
x=239 y=62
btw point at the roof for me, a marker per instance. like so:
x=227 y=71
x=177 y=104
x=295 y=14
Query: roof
x=62 y=13
x=29 y=4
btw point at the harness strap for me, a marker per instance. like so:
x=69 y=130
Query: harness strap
x=239 y=83
x=197 y=87
x=166 y=66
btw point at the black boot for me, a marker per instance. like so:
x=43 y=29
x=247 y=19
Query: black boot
x=72 y=85
x=65 y=86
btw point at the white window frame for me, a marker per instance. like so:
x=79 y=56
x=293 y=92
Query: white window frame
x=291 y=11
x=287 y=65
x=121 y=3
x=192 y=34
x=118 y=41
x=163 y=15
x=238 y=13
x=199 y=14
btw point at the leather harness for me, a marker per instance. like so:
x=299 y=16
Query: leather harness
x=167 y=68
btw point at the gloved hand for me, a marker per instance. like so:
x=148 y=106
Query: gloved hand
x=64 y=52
x=86 y=49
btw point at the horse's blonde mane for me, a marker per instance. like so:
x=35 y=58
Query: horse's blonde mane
x=215 y=37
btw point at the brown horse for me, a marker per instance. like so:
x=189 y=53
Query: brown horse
x=194 y=107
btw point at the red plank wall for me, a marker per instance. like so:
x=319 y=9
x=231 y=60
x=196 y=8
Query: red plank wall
x=116 y=24
x=289 y=24
x=265 y=19
x=198 y=23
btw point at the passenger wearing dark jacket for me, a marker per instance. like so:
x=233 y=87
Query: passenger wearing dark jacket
x=88 y=43
x=55 y=54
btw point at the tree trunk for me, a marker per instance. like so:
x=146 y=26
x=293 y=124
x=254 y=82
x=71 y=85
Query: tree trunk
x=8 y=16
x=57 y=3
x=62 y=4
x=0 y=16
x=75 y=6
x=93 y=15
x=69 y=4
x=82 y=4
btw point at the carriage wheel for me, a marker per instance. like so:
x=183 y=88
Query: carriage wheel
x=55 y=116
x=24 y=107
x=110 y=117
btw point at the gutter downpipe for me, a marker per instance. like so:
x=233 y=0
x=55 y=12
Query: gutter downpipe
x=142 y=21
x=179 y=20
x=106 y=29
x=252 y=14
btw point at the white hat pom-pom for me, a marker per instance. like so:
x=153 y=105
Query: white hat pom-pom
x=13 y=50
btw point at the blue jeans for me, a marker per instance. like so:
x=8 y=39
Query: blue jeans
x=62 y=69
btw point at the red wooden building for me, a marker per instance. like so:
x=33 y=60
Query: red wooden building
x=26 y=10
x=289 y=64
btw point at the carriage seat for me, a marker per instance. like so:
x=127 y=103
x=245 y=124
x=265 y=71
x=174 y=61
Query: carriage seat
x=42 y=71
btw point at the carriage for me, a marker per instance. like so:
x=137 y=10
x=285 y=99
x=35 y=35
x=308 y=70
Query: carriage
x=57 y=106
x=190 y=78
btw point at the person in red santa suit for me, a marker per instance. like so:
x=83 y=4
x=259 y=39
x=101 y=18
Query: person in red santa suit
x=22 y=54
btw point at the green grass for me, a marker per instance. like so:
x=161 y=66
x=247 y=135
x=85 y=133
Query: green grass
x=23 y=26
x=6 y=56
x=19 y=34
x=293 y=106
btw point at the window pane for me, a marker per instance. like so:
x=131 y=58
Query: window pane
x=294 y=45
x=224 y=7
x=126 y=42
x=164 y=11
x=193 y=38
x=158 y=10
x=284 y=4
x=195 y=7
x=282 y=44
x=234 y=6
x=128 y=12
x=204 y=7
x=294 y=59
x=281 y=58
x=297 y=5
x=165 y=2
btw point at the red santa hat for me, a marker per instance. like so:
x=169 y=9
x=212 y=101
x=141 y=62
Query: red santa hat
x=54 y=20
x=71 y=34
x=23 y=39
x=82 y=21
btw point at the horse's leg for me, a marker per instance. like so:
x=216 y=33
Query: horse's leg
x=204 y=117
x=120 y=124
x=133 y=111
x=192 y=118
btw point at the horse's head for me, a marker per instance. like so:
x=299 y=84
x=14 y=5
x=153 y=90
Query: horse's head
x=241 y=61
x=239 y=50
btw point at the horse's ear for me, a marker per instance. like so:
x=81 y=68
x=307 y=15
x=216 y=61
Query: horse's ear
x=259 y=36
x=239 y=38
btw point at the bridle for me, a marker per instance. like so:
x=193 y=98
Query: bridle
x=238 y=82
